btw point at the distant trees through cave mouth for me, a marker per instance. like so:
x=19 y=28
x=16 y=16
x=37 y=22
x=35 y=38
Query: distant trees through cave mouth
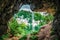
x=8 y=8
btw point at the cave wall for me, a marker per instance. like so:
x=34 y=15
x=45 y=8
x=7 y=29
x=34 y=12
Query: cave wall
x=56 y=22
x=7 y=9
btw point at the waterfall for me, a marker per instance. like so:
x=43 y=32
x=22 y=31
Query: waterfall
x=27 y=7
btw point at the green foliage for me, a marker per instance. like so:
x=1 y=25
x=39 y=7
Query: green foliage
x=16 y=28
x=1 y=38
x=24 y=13
x=33 y=37
x=12 y=25
x=49 y=18
x=23 y=29
x=5 y=36
x=38 y=16
x=23 y=38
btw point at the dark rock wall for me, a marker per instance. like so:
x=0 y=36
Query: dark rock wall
x=56 y=22
x=7 y=9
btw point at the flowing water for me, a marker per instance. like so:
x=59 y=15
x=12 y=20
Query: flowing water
x=26 y=7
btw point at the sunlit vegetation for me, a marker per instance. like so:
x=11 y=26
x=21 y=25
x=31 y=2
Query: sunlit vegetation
x=21 y=24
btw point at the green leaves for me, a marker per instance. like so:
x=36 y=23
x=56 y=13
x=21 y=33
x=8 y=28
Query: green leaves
x=25 y=14
x=23 y=29
x=37 y=16
x=16 y=28
x=4 y=36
